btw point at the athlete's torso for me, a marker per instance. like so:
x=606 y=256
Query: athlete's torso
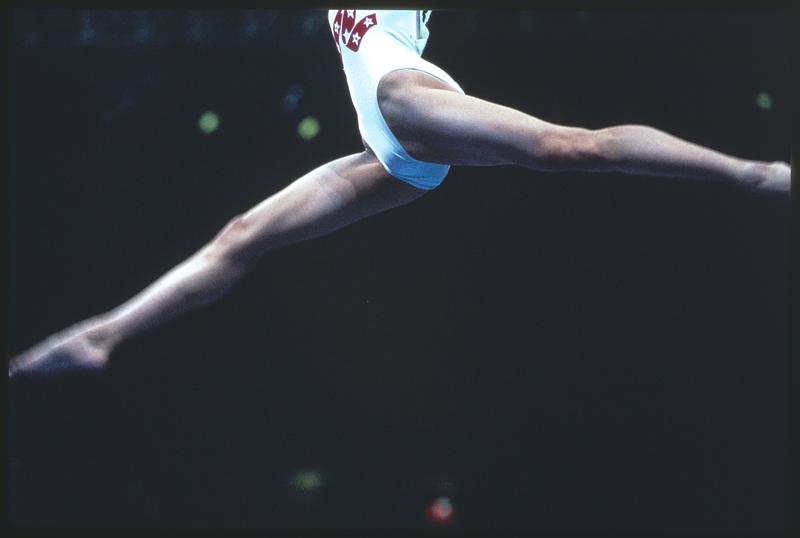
x=371 y=44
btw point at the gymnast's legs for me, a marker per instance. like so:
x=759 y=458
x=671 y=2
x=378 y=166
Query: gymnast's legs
x=434 y=123
x=438 y=124
x=326 y=199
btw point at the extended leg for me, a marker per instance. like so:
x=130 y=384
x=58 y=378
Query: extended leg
x=436 y=123
x=326 y=199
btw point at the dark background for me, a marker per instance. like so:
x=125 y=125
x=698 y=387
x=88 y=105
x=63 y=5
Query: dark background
x=567 y=351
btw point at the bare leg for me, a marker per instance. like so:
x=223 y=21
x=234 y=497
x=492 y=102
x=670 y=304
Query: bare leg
x=326 y=199
x=436 y=123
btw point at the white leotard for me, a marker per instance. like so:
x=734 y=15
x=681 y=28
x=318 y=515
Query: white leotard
x=373 y=43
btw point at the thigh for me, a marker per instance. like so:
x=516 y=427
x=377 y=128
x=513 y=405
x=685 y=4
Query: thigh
x=329 y=197
x=436 y=123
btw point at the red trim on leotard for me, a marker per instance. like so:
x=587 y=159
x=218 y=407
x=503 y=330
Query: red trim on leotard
x=360 y=31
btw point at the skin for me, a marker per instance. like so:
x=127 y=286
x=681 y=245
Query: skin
x=434 y=123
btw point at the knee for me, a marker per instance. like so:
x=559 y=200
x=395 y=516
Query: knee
x=233 y=244
x=571 y=148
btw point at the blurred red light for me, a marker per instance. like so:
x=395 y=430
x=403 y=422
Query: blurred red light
x=440 y=511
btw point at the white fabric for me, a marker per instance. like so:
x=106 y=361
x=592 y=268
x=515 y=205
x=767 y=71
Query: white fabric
x=391 y=40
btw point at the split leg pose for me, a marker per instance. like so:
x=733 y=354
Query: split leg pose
x=435 y=123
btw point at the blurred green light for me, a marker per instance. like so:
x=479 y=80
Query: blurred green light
x=308 y=128
x=208 y=122
x=307 y=481
x=764 y=101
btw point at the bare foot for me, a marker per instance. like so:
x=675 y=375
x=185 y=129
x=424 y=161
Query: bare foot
x=77 y=348
x=773 y=177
